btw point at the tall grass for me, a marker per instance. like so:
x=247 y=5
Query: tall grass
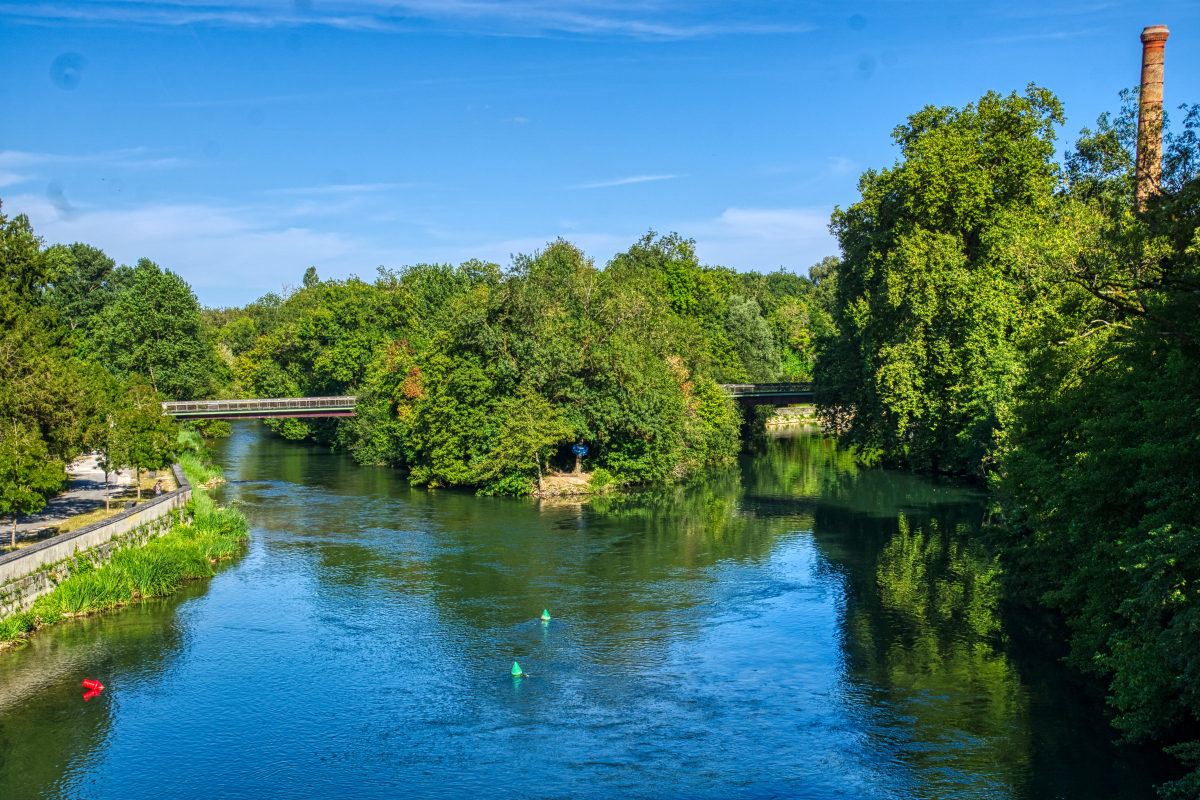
x=186 y=552
x=194 y=458
x=190 y=439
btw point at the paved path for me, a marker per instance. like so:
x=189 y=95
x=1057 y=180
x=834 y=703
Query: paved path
x=85 y=492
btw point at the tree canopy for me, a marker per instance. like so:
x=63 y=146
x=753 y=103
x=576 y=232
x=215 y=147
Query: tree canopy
x=153 y=329
x=998 y=315
x=446 y=361
x=928 y=312
x=59 y=395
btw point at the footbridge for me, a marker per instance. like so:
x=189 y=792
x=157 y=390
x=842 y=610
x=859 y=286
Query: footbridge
x=751 y=394
x=769 y=394
x=266 y=408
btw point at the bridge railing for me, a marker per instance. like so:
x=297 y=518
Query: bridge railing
x=743 y=389
x=276 y=405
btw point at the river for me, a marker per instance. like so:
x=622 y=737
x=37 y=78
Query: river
x=791 y=626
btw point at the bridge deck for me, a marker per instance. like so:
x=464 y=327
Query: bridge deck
x=761 y=394
x=780 y=394
x=263 y=408
x=769 y=394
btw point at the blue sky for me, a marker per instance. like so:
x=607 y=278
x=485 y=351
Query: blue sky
x=238 y=143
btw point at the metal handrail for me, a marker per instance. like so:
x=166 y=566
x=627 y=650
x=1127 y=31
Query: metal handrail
x=766 y=388
x=259 y=404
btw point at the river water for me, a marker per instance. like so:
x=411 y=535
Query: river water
x=789 y=627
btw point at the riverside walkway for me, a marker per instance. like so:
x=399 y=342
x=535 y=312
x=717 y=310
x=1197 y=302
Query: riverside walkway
x=85 y=492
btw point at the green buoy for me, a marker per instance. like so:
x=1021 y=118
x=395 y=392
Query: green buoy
x=516 y=670
x=545 y=615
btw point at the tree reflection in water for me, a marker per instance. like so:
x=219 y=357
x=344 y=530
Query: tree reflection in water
x=928 y=634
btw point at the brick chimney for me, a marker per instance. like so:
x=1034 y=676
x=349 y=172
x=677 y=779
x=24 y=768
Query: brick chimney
x=1150 y=113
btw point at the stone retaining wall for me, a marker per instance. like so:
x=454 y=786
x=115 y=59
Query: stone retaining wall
x=793 y=415
x=29 y=573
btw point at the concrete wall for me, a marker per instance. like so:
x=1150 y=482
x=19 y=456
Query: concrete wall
x=33 y=571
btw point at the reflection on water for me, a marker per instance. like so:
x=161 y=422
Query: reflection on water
x=788 y=627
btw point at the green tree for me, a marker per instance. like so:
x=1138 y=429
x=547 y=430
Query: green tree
x=927 y=312
x=42 y=384
x=824 y=275
x=432 y=352
x=151 y=436
x=1100 y=461
x=81 y=285
x=752 y=339
x=530 y=427
x=27 y=473
x=104 y=437
x=112 y=446
x=153 y=329
x=665 y=271
x=791 y=324
x=25 y=268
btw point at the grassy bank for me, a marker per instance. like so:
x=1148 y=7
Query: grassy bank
x=186 y=552
x=194 y=458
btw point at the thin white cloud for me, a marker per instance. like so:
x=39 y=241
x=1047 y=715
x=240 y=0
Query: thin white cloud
x=633 y=179
x=239 y=15
x=517 y=120
x=227 y=249
x=340 y=188
x=764 y=239
x=233 y=253
x=131 y=157
x=12 y=178
x=647 y=19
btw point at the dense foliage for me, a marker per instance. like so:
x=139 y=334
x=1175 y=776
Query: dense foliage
x=483 y=377
x=1102 y=462
x=470 y=376
x=1003 y=316
x=929 y=314
x=87 y=351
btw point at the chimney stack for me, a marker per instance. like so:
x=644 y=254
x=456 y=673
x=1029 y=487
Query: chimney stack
x=1150 y=113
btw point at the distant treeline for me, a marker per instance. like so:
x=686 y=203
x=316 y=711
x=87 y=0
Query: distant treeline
x=475 y=376
x=481 y=376
x=1003 y=315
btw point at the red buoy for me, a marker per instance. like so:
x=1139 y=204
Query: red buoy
x=93 y=685
x=90 y=694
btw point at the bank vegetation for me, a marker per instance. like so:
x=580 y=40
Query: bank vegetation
x=207 y=535
x=1008 y=316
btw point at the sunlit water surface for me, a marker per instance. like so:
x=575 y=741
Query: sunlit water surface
x=789 y=627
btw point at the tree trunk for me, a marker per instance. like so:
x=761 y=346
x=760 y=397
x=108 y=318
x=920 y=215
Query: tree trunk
x=538 y=461
x=137 y=478
x=578 y=463
x=14 y=531
x=107 y=508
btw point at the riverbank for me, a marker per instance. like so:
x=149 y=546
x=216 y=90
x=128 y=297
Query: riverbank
x=793 y=415
x=187 y=552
